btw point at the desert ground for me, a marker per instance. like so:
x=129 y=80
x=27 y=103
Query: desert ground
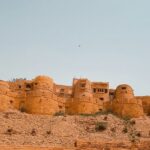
x=98 y=131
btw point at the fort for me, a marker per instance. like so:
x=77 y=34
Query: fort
x=43 y=96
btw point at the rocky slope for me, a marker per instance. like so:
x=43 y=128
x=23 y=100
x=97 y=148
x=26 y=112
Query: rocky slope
x=103 y=131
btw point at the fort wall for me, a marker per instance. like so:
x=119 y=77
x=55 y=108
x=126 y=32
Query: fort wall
x=42 y=96
x=83 y=101
x=125 y=103
x=145 y=103
x=7 y=98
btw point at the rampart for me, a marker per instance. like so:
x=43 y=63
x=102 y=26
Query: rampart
x=43 y=96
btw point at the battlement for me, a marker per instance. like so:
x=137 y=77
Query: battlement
x=43 y=96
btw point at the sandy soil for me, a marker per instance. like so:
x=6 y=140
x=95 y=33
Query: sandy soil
x=18 y=128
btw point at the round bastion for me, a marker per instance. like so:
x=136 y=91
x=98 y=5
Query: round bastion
x=125 y=104
x=43 y=82
x=42 y=99
x=124 y=91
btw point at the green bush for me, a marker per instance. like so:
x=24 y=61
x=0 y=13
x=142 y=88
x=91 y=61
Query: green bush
x=97 y=113
x=101 y=126
x=87 y=115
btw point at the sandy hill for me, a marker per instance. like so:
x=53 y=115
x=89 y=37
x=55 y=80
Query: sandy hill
x=82 y=131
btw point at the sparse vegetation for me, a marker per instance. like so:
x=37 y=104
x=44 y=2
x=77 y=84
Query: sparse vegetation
x=97 y=114
x=134 y=135
x=132 y=122
x=138 y=134
x=33 y=132
x=125 y=130
x=127 y=118
x=133 y=139
x=10 y=131
x=48 y=132
x=87 y=115
x=101 y=126
x=113 y=129
x=104 y=112
x=60 y=113
x=105 y=118
x=75 y=144
x=6 y=115
x=39 y=127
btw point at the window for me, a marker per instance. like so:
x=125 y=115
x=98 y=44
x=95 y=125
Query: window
x=82 y=85
x=112 y=94
x=61 y=94
x=100 y=110
x=99 y=90
x=94 y=90
x=101 y=98
x=123 y=88
x=106 y=90
x=62 y=90
x=19 y=86
x=11 y=101
x=60 y=107
x=28 y=86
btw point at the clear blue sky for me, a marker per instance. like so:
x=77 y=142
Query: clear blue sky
x=42 y=37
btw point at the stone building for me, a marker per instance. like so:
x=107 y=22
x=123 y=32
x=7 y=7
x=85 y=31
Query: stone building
x=43 y=96
x=82 y=100
x=125 y=103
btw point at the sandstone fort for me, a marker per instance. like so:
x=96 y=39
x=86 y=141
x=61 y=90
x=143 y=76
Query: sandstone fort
x=43 y=96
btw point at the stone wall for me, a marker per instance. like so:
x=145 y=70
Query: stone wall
x=83 y=101
x=145 y=103
x=131 y=109
x=7 y=98
x=42 y=96
x=125 y=104
x=81 y=106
